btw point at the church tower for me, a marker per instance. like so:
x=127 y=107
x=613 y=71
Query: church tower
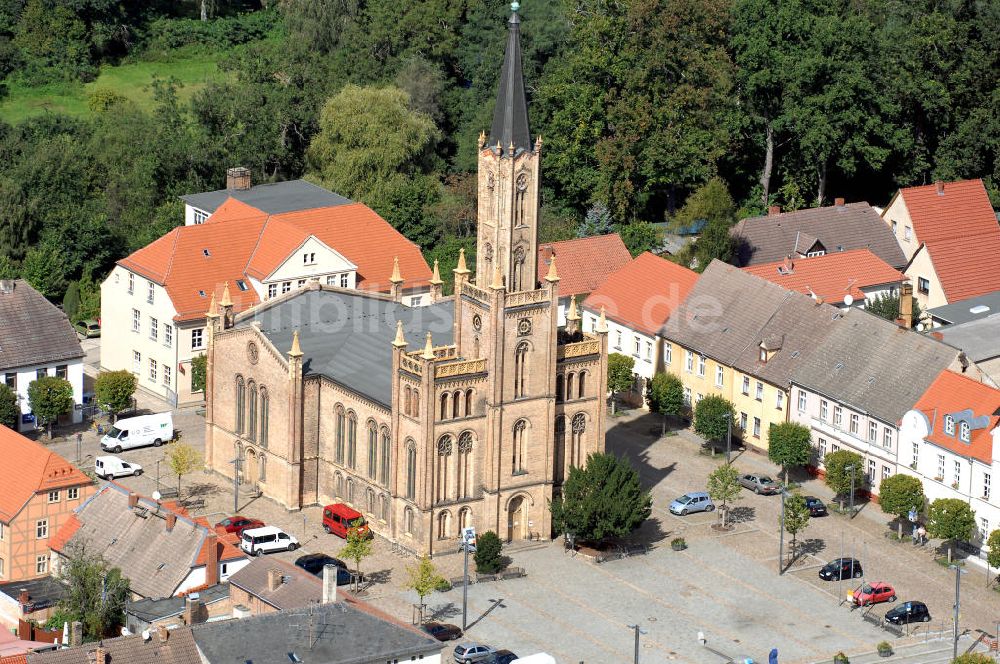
x=508 y=181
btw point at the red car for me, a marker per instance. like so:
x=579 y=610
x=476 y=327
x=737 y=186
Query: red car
x=874 y=593
x=237 y=524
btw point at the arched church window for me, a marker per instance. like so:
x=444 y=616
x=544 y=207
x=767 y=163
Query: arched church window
x=465 y=442
x=411 y=470
x=517 y=465
x=579 y=429
x=518 y=281
x=240 y=404
x=520 y=369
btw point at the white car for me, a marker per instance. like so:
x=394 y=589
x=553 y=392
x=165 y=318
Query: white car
x=110 y=467
x=258 y=541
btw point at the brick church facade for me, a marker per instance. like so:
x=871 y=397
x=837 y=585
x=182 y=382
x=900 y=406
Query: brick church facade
x=469 y=411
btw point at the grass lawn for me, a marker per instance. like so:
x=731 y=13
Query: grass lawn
x=131 y=80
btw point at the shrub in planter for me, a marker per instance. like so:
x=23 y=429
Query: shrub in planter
x=841 y=658
x=678 y=544
x=884 y=648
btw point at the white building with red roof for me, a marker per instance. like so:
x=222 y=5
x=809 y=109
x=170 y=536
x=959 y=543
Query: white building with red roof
x=950 y=439
x=254 y=243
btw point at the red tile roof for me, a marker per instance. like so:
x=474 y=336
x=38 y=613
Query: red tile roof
x=61 y=538
x=962 y=210
x=14 y=659
x=583 y=264
x=966 y=266
x=29 y=468
x=643 y=294
x=951 y=393
x=239 y=241
x=831 y=276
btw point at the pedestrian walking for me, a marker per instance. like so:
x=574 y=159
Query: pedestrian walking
x=914 y=535
x=922 y=535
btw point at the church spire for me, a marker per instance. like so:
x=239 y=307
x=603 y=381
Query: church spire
x=510 y=119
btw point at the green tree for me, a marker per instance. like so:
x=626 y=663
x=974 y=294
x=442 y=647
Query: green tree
x=640 y=237
x=724 y=486
x=710 y=202
x=973 y=658
x=423 y=578
x=90 y=300
x=713 y=418
x=841 y=466
x=886 y=306
x=113 y=391
x=43 y=269
x=666 y=396
x=199 y=366
x=597 y=221
x=620 y=375
x=8 y=268
x=951 y=519
x=358 y=547
x=48 y=398
x=183 y=459
x=603 y=499
x=993 y=555
x=71 y=301
x=789 y=444
x=796 y=518
x=489 y=556
x=898 y=494
x=10 y=414
x=96 y=593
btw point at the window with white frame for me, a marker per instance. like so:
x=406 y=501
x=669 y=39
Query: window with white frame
x=53 y=496
x=689 y=361
x=871 y=470
x=965 y=431
x=343 y=280
x=916 y=455
x=719 y=376
x=756 y=427
x=167 y=375
x=136 y=320
x=71 y=494
x=803 y=403
x=309 y=258
x=886 y=471
x=923 y=285
x=152 y=370
x=41 y=529
x=331 y=280
x=649 y=351
x=302 y=282
x=200 y=217
x=668 y=353
x=743 y=421
x=746 y=385
x=958 y=472
x=131 y=283
x=618 y=339
x=687 y=396
x=779 y=401
x=940 y=467
x=635 y=346
x=907 y=232
x=41 y=564
x=150 y=291
x=986 y=486
x=984 y=528
x=154 y=328
x=855 y=423
x=824 y=409
x=701 y=365
x=136 y=362
x=838 y=416
x=872 y=431
x=822 y=448
x=698 y=398
x=949 y=425
x=887 y=437
x=286 y=286
x=760 y=391
x=272 y=290
x=168 y=335
x=197 y=338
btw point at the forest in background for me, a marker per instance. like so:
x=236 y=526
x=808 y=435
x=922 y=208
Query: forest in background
x=650 y=111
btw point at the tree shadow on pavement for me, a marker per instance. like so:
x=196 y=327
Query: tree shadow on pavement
x=741 y=514
x=806 y=547
x=381 y=576
x=203 y=489
x=443 y=611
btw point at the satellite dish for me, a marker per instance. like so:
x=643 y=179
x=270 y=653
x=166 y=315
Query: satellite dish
x=848 y=300
x=157 y=495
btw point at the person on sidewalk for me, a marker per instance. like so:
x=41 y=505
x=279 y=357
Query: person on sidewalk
x=922 y=535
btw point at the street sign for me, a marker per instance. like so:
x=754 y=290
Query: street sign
x=468 y=535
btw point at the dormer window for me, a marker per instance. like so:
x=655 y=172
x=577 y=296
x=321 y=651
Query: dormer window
x=763 y=355
x=965 y=432
x=949 y=425
x=242 y=285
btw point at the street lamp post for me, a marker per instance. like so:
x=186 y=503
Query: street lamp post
x=781 y=536
x=638 y=631
x=958 y=587
x=237 y=462
x=729 y=435
x=158 y=462
x=850 y=468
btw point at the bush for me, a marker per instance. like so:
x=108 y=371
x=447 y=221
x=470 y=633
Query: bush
x=166 y=34
x=841 y=658
x=488 y=548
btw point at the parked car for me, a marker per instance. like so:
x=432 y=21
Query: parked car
x=442 y=631
x=315 y=562
x=841 y=568
x=237 y=524
x=110 y=467
x=760 y=484
x=258 y=541
x=696 y=501
x=816 y=506
x=874 y=593
x=338 y=518
x=130 y=432
x=908 y=612
x=473 y=652
x=88 y=328
x=503 y=657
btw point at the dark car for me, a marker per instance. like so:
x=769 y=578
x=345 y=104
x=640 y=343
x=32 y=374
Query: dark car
x=841 y=568
x=816 y=506
x=237 y=524
x=503 y=657
x=315 y=562
x=908 y=612
x=442 y=631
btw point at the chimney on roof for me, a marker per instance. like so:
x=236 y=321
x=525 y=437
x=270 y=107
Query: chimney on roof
x=774 y=211
x=329 y=583
x=212 y=559
x=133 y=500
x=97 y=656
x=238 y=179
x=23 y=597
x=906 y=305
x=839 y=202
x=274 y=577
x=171 y=521
x=75 y=633
x=162 y=633
x=194 y=610
x=6 y=286
x=940 y=187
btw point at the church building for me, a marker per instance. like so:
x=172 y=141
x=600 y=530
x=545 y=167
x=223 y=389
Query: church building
x=469 y=411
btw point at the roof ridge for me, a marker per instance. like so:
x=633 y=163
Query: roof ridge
x=173 y=252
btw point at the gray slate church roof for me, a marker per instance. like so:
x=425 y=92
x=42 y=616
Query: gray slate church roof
x=347 y=335
x=510 y=118
x=270 y=198
x=33 y=331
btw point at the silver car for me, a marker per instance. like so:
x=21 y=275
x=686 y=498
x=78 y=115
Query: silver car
x=466 y=653
x=760 y=484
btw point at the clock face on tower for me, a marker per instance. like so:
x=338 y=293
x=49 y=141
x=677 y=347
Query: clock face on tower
x=477 y=322
x=524 y=327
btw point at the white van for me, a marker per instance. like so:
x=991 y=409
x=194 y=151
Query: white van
x=537 y=658
x=132 y=432
x=110 y=467
x=258 y=541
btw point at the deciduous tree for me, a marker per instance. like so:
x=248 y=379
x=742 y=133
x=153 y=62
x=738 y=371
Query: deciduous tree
x=49 y=397
x=724 y=486
x=96 y=593
x=993 y=555
x=199 y=365
x=789 y=444
x=666 y=396
x=898 y=494
x=423 y=578
x=10 y=414
x=713 y=418
x=841 y=466
x=183 y=459
x=796 y=518
x=488 y=556
x=113 y=391
x=358 y=547
x=620 y=375
x=951 y=519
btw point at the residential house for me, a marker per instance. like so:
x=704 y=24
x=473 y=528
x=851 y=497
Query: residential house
x=637 y=300
x=207 y=604
x=979 y=340
x=38 y=492
x=853 y=389
x=30 y=600
x=974 y=308
x=267 y=585
x=844 y=279
x=14 y=648
x=815 y=232
x=950 y=236
x=154 y=301
x=159 y=646
x=950 y=439
x=742 y=337
x=584 y=264
x=38 y=340
x=157 y=546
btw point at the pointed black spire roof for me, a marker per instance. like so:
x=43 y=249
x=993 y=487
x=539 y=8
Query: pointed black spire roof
x=510 y=119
